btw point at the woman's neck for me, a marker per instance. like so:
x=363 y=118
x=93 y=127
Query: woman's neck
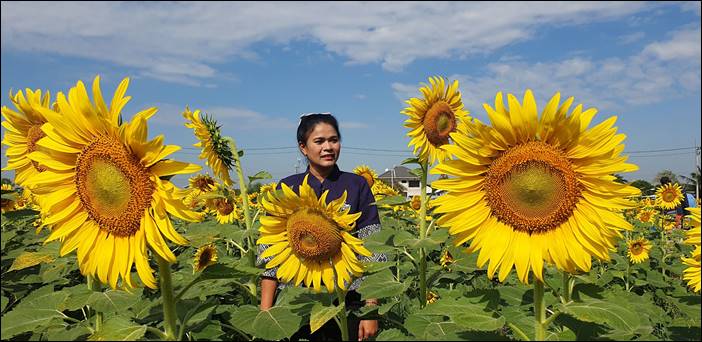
x=320 y=173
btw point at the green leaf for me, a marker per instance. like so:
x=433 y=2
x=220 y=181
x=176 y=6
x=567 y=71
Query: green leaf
x=210 y=332
x=35 y=312
x=260 y=175
x=613 y=315
x=273 y=324
x=430 y=327
x=322 y=314
x=29 y=259
x=431 y=243
x=5 y=301
x=77 y=332
x=382 y=285
x=118 y=328
x=412 y=160
x=417 y=172
x=113 y=300
x=392 y=335
x=202 y=233
x=467 y=315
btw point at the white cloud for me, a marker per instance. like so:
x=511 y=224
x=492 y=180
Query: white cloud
x=184 y=42
x=631 y=37
x=664 y=69
x=351 y=125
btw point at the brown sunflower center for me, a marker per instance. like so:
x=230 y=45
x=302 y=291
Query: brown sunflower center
x=205 y=257
x=668 y=195
x=33 y=135
x=645 y=217
x=416 y=203
x=532 y=187
x=204 y=184
x=113 y=186
x=439 y=121
x=224 y=207
x=636 y=248
x=313 y=235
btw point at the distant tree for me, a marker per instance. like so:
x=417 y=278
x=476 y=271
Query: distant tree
x=646 y=188
x=691 y=181
x=254 y=187
x=619 y=178
x=665 y=173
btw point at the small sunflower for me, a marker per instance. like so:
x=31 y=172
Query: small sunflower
x=693 y=234
x=433 y=118
x=646 y=215
x=104 y=190
x=647 y=203
x=8 y=204
x=215 y=149
x=224 y=208
x=416 y=202
x=202 y=183
x=446 y=259
x=669 y=196
x=638 y=250
x=367 y=173
x=432 y=297
x=205 y=256
x=23 y=132
x=529 y=190
x=310 y=239
x=267 y=188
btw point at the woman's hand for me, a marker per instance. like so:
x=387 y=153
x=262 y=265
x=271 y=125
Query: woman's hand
x=367 y=328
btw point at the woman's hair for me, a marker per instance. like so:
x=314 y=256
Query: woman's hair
x=309 y=121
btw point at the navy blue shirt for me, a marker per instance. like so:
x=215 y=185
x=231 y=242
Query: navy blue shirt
x=358 y=197
x=358 y=194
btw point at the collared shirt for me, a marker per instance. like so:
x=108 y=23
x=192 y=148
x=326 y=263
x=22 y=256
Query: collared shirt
x=358 y=197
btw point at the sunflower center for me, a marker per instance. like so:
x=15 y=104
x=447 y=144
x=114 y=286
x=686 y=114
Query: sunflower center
x=668 y=196
x=205 y=257
x=439 y=122
x=204 y=184
x=532 y=187
x=33 y=135
x=224 y=207
x=636 y=248
x=113 y=186
x=313 y=236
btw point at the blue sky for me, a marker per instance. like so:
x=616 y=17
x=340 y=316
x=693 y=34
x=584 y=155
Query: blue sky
x=257 y=66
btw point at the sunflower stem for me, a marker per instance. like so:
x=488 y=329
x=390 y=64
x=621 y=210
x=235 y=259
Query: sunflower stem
x=244 y=192
x=423 y=234
x=169 y=310
x=539 y=311
x=567 y=287
x=95 y=286
x=342 y=317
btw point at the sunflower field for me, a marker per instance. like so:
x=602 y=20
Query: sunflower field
x=527 y=234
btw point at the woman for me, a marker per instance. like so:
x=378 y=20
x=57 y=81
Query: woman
x=319 y=141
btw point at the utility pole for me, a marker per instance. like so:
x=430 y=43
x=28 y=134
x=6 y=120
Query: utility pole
x=297 y=165
x=697 y=164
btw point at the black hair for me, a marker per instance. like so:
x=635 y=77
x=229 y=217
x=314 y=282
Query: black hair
x=309 y=122
x=665 y=180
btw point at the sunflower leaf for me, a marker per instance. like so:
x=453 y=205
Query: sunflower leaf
x=382 y=285
x=260 y=175
x=412 y=160
x=321 y=314
x=118 y=328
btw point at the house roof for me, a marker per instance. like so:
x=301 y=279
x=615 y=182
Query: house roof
x=401 y=172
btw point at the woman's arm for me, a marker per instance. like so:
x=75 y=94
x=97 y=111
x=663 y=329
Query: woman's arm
x=268 y=287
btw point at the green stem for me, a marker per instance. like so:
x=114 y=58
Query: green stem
x=519 y=332
x=423 y=235
x=186 y=288
x=94 y=285
x=157 y=332
x=539 y=311
x=342 y=317
x=169 y=310
x=567 y=287
x=551 y=319
x=243 y=186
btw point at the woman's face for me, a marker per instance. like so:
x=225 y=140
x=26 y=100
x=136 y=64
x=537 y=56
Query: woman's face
x=322 y=146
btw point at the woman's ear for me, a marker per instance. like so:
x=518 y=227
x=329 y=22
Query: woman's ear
x=303 y=149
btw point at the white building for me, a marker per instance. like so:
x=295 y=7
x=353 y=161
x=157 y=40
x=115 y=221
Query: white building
x=399 y=177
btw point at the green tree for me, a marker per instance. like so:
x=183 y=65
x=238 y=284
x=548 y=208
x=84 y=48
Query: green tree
x=646 y=188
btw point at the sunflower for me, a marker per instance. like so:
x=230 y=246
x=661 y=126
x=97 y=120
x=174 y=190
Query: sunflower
x=669 y=196
x=24 y=132
x=103 y=187
x=446 y=259
x=528 y=190
x=224 y=208
x=433 y=118
x=215 y=149
x=646 y=215
x=367 y=173
x=638 y=250
x=692 y=273
x=202 y=183
x=8 y=204
x=267 y=187
x=432 y=297
x=205 y=256
x=310 y=239
x=416 y=202
x=648 y=203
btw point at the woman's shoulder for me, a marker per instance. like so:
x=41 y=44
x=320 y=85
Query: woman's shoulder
x=293 y=180
x=354 y=179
